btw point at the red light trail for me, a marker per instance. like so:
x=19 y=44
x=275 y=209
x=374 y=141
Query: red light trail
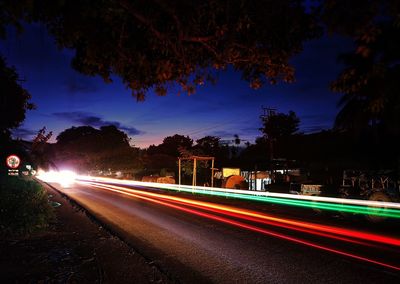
x=340 y=234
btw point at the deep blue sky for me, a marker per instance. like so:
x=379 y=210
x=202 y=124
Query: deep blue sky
x=65 y=98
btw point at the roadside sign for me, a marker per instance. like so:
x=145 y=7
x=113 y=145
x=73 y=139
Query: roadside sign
x=12 y=172
x=227 y=172
x=13 y=161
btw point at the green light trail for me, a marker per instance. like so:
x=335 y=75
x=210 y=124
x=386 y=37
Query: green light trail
x=354 y=209
x=371 y=210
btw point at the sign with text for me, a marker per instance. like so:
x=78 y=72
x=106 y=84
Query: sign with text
x=13 y=172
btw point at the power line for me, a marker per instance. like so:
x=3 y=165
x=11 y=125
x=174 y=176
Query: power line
x=218 y=125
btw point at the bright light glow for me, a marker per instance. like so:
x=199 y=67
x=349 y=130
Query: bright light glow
x=390 y=209
x=173 y=201
x=65 y=178
x=50 y=176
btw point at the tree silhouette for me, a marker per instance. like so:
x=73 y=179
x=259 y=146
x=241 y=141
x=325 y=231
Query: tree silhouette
x=211 y=146
x=278 y=126
x=87 y=148
x=14 y=99
x=172 y=144
x=208 y=145
x=150 y=44
x=41 y=151
x=369 y=83
x=165 y=154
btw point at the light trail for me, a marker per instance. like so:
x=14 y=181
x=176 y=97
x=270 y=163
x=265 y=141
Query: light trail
x=253 y=219
x=316 y=202
x=247 y=192
x=257 y=216
x=136 y=194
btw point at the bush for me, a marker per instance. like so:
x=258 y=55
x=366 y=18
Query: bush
x=24 y=206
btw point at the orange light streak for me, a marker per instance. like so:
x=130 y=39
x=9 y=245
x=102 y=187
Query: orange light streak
x=247 y=226
x=276 y=224
x=260 y=217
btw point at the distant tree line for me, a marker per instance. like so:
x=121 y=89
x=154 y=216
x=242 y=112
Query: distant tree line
x=187 y=43
x=109 y=149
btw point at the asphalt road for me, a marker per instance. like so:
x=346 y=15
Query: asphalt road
x=197 y=249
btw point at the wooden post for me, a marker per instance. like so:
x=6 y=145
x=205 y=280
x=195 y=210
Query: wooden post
x=179 y=165
x=195 y=158
x=194 y=171
x=255 y=177
x=251 y=179
x=212 y=172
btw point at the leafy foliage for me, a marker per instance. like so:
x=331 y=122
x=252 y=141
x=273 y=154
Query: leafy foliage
x=165 y=154
x=171 y=145
x=370 y=80
x=153 y=43
x=211 y=146
x=87 y=148
x=280 y=125
x=41 y=150
x=14 y=100
x=277 y=126
x=24 y=206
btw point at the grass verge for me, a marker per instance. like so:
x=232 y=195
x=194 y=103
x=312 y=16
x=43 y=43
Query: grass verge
x=24 y=206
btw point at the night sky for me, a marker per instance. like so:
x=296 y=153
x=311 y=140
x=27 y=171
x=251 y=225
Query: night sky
x=65 y=98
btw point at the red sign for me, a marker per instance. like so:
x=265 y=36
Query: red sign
x=13 y=161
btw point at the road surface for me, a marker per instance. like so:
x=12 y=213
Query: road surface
x=194 y=245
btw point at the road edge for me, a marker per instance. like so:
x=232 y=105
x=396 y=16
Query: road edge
x=92 y=217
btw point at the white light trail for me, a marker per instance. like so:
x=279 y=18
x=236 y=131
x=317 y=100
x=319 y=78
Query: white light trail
x=336 y=200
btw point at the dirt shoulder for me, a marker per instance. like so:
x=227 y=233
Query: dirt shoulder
x=73 y=250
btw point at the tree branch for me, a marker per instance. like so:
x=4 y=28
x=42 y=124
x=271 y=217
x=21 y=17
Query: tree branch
x=173 y=16
x=200 y=39
x=126 y=5
x=178 y=24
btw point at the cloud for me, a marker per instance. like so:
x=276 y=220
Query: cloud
x=24 y=133
x=316 y=122
x=315 y=128
x=84 y=118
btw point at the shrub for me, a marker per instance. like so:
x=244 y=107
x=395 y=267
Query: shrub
x=24 y=206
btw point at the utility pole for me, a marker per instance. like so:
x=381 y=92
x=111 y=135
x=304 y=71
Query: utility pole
x=267 y=113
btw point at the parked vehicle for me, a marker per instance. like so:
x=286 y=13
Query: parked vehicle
x=370 y=185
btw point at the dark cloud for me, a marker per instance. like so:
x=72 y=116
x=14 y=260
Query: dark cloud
x=24 y=133
x=84 y=118
x=315 y=122
x=130 y=130
x=315 y=128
